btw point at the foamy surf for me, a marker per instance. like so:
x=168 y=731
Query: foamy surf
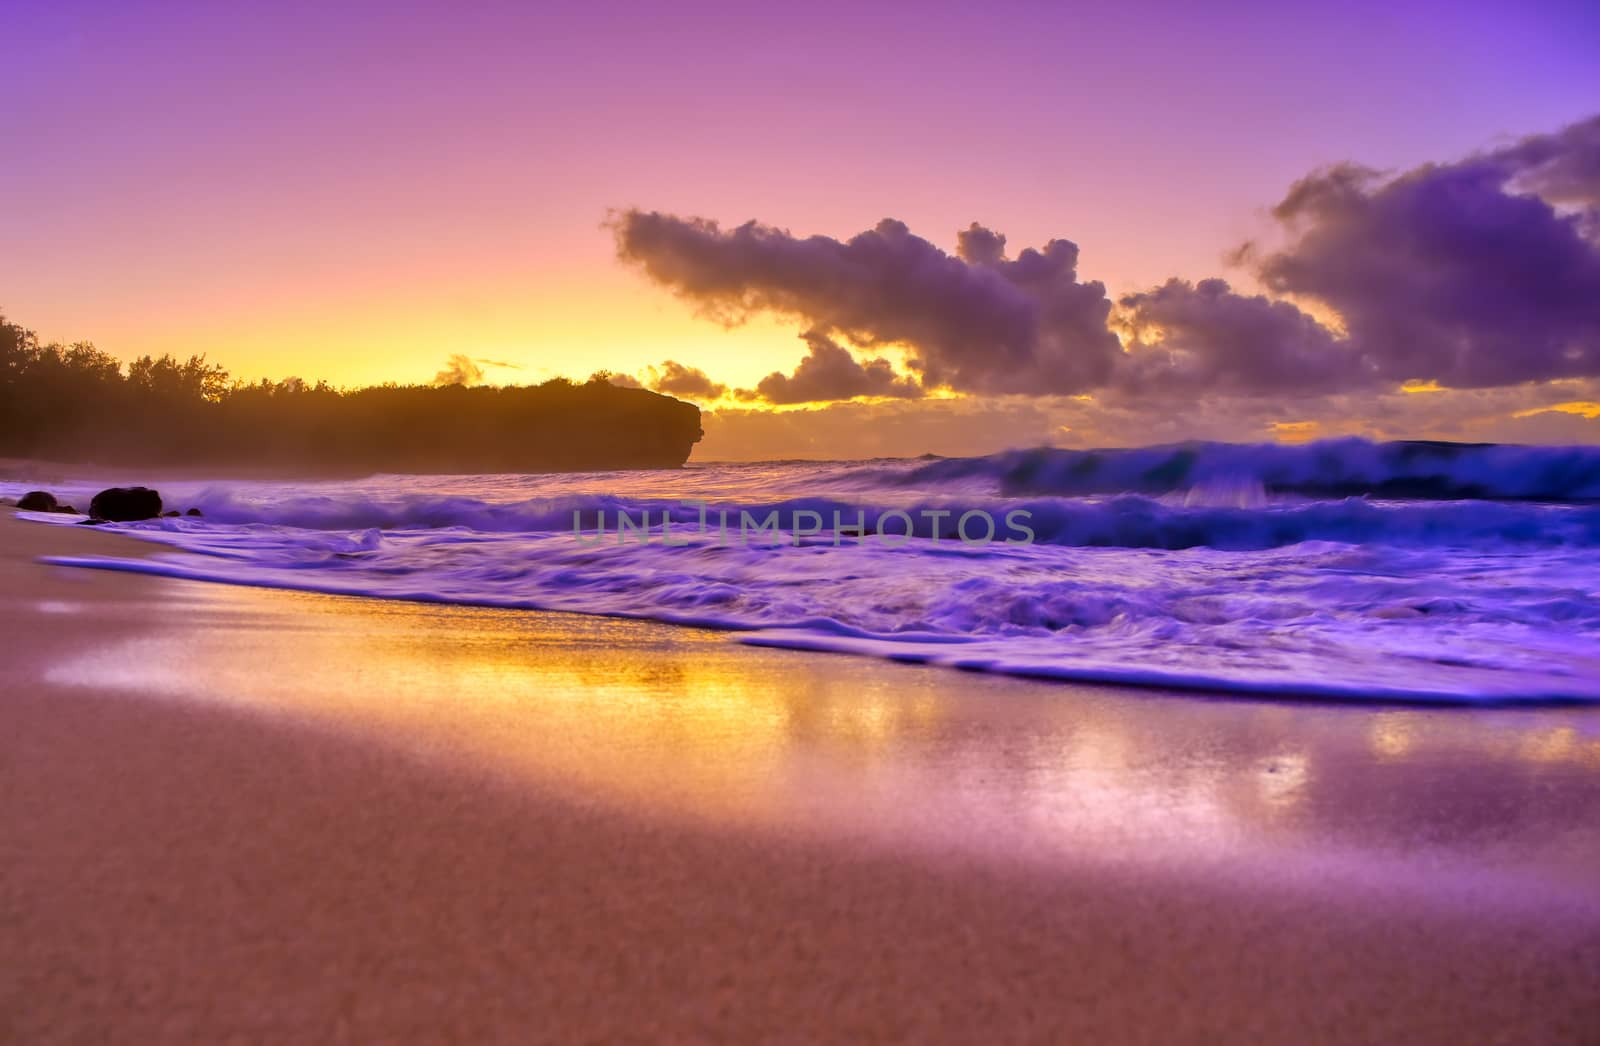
x=1207 y=567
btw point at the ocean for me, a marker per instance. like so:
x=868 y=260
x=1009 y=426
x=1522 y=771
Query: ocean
x=1337 y=570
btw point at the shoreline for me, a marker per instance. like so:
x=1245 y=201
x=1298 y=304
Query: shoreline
x=232 y=811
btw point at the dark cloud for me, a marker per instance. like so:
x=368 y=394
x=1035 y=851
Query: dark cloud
x=675 y=379
x=1454 y=273
x=976 y=323
x=829 y=372
x=976 y=245
x=624 y=381
x=1563 y=168
x=1475 y=274
x=1203 y=337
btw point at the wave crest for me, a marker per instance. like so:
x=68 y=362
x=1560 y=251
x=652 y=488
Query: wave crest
x=1408 y=469
x=1126 y=521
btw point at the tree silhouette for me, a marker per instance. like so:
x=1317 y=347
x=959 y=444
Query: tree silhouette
x=77 y=404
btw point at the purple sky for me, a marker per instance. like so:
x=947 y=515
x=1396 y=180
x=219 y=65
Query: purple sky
x=358 y=195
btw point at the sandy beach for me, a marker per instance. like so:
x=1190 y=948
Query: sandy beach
x=231 y=814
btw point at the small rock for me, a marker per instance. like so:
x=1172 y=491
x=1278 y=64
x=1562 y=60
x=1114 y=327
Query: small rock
x=37 y=501
x=194 y=512
x=171 y=514
x=125 y=504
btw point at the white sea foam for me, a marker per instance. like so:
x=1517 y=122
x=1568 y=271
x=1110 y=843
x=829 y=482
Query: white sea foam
x=1239 y=580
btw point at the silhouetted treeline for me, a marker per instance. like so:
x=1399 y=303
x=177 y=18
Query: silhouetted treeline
x=78 y=404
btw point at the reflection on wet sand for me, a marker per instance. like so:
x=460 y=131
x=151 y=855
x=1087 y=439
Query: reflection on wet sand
x=679 y=722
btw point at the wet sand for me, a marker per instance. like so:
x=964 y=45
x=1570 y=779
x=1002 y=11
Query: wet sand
x=229 y=813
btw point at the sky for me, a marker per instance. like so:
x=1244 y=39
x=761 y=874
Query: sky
x=362 y=192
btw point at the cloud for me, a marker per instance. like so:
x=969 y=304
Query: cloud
x=1476 y=274
x=975 y=322
x=675 y=379
x=459 y=370
x=829 y=372
x=1204 y=337
x=1563 y=168
x=1455 y=273
x=976 y=245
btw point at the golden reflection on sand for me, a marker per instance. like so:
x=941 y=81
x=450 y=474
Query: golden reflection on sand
x=1391 y=737
x=1546 y=746
x=687 y=723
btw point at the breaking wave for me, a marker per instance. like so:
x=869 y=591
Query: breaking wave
x=1348 y=570
x=1411 y=469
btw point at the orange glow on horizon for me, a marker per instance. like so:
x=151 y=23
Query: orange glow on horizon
x=1296 y=431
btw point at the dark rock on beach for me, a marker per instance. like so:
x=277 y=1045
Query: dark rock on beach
x=194 y=512
x=125 y=504
x=43 y=501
